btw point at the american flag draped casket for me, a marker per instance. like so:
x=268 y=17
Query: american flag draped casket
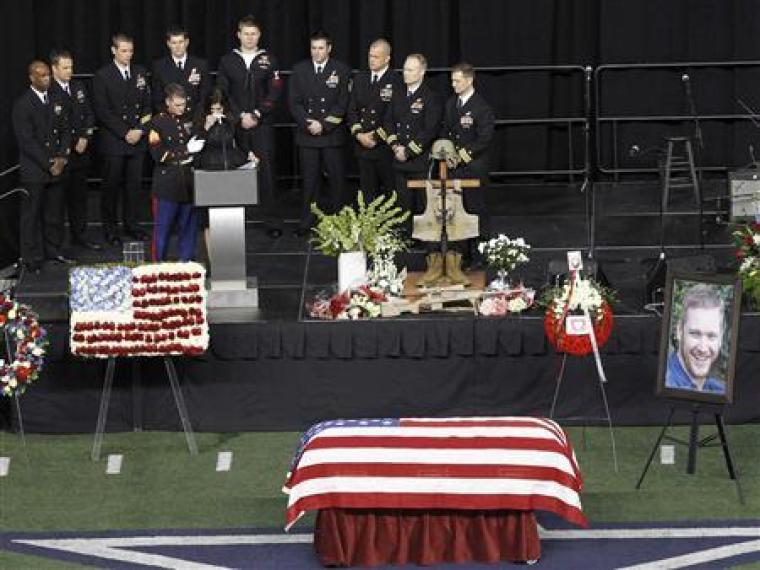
x=489 y=463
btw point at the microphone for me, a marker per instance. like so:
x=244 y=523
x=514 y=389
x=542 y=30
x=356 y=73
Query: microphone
x=685 y=78
x=752 y=154
x=634 y=150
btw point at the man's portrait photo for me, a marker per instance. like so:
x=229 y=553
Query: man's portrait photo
x=698 y=347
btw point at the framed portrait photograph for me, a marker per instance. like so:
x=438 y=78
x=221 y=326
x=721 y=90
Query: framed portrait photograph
x=698 y=342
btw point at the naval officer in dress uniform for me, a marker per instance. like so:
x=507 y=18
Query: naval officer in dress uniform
x=318 y=98
x=371 y=94
x=412 y=125
x=71 y=93
x=44 y=142
x=468 y=121
x=121 y=92
x=183 y=69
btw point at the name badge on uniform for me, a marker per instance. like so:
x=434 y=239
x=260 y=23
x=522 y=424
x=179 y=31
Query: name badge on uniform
x=333 y=80
x=386 y=93
x=57 y=109
x=140 y=82
x=80 y=95
x=466 y=120
x=264 y=61
x=195 y=77
x=417 y=106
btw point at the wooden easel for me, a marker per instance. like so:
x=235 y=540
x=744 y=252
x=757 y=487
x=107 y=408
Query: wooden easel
x=442 y=182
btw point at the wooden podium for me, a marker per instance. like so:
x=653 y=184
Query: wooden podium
x=226 y=193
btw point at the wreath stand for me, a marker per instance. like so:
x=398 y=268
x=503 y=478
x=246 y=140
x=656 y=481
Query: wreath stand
x=17 y=401
x=694 y=443
x=179 y=400
x=602 y=381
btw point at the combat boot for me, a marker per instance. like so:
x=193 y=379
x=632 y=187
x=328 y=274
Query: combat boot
x=434 y=270
x=454 y=269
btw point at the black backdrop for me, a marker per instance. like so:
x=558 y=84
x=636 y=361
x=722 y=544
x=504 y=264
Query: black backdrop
x=484 y=32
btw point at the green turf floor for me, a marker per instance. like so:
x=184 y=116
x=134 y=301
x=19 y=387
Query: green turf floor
x=162 y=486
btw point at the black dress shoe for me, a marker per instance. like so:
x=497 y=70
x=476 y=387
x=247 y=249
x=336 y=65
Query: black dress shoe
x=274 y=233
x=62 y=259
x=112 y=239
x=86 y=244
x=136 y=233
x=301 y=232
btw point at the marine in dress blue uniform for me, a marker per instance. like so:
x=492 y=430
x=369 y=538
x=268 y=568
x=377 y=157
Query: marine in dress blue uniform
x=172 y=179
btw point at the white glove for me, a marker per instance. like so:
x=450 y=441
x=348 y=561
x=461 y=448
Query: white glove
x=195 y=145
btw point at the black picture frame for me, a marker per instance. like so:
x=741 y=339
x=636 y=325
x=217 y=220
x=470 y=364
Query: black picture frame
x=699 y=336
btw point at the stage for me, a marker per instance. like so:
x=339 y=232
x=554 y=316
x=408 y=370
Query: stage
x=283 y=371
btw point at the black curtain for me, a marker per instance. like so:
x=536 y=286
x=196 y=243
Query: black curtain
x=484 y=32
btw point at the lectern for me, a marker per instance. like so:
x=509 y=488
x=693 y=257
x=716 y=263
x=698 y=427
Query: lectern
x=226 y=193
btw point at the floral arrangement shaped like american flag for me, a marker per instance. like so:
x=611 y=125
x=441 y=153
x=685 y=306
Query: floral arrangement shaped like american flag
x=157 y=309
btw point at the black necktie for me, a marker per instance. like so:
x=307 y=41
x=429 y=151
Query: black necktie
x=374 y=78
x=319 y=70
x=44 y=98
x=67 y=90
x=180 y=65
x=126 y=75
x=459 y=103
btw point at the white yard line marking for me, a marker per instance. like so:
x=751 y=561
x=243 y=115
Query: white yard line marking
x=110 y=548
x=224 y=461
x=700 y=557
x=113 y=467
x=5 y=466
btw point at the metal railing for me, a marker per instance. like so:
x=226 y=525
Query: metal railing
x=612 y=122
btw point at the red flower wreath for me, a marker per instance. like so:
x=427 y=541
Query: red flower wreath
x=578 y=345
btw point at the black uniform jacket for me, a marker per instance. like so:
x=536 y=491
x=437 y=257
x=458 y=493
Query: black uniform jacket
x=81 y=118
x=471 y=130
x=368 y=106
x=42 y=132
x=323 y=98
x=120 y=106
x=172 y=174
x=414 y=123
x=255 y=89
x=194 y=77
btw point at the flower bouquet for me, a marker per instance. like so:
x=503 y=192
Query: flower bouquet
x=20 y=326
x=353 y=233
x=514 y=300
x=747 y=241
x=384 y=275
x=576 y=297
x=360 y=303
x=503 y=254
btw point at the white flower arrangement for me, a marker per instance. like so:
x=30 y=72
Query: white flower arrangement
x=503 y=253
x=578 y=295
x=384 y=275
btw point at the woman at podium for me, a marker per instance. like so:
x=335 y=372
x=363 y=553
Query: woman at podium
x=216 y=125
